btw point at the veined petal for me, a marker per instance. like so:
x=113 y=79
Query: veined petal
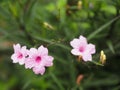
x=75 y=43
x=14 y=58
x=32 y=51
x=22 y=61
x=24 y=51
x=48 y=61
x=24 y=48
x=39 y=70
x=16 y=47
x=87 y=57
x=42 y=50
x=75 y=52
x=83 y=39
x=29 y=63
x=91 y=48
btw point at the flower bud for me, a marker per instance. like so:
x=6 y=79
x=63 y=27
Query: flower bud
x=102 y=57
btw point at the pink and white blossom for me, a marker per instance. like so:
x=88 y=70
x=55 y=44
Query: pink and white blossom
x=38 y=59
x=20 y=54
x=82 y=48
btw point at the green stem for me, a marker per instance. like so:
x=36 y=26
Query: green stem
x=97 y=63
x=57 y=81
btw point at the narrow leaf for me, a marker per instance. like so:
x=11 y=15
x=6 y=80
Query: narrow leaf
x=102 y=28
x=110 y=45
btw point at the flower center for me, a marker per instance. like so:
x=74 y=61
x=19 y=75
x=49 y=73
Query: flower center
x=20 y=56
x=38 y=59
x=81 y=49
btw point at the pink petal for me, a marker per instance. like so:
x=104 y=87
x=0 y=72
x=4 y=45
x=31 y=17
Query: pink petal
x=14 y=58
x=42 y=50
x=91 y=48
x=22 y=61
x=29 y=63
x=75 y=52
x=32 y=52
x=48 y=61
x=87 y=57
x=75 y=43
x=23 y=48
x=24 y=51
x=16 y=47
x=83 y=40
x=39 y=70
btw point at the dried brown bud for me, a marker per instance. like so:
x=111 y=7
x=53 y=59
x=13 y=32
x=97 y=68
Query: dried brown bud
x=79 y=79
x=79 y=58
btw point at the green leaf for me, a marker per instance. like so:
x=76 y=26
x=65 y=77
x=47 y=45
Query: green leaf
x=110 y=80
x=111 y=47
x=92 y=35
x=57 y=81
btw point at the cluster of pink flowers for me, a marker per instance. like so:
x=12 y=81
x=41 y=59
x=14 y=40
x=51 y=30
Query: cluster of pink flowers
x=82 y=48
x=35 y=59
x=38 y=59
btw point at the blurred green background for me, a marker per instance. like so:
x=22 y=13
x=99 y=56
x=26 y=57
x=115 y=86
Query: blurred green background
x=54 y=23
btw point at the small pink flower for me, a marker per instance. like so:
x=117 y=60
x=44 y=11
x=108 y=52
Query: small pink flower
x=38 y=59
x=82 y=48
x=19 y=55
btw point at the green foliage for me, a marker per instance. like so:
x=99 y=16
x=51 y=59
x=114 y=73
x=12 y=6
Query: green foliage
x=54 y=23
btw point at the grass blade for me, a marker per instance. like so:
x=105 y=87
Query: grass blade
x=101 y=28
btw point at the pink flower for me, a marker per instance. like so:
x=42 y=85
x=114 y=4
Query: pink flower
x=38 y=59
x=82 y=48
x=19 y=55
